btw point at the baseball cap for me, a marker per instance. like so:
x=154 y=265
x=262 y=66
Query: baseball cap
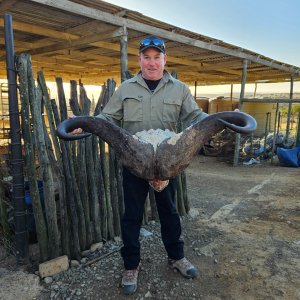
x=152 y=42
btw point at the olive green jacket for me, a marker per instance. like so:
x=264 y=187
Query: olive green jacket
x=137 y=109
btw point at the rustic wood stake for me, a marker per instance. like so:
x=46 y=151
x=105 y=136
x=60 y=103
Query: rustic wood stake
x=41 y=227
x=47 y=174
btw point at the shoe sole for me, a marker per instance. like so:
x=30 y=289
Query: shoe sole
x=182 y=274
x=129 y=293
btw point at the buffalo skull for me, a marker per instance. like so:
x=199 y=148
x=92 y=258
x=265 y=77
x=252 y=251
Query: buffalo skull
x=171 y=155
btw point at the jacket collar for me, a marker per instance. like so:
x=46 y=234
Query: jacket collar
x=139 y=79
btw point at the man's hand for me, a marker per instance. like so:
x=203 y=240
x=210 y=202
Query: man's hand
x=76 y=131
x=158 y=185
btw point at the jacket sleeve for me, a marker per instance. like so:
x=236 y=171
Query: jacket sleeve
x=190 y=112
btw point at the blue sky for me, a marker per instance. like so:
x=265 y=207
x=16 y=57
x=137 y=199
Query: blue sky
x=268 y=27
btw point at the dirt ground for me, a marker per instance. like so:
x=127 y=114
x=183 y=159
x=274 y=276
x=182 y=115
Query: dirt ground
x=250 y=219
x=243 y=234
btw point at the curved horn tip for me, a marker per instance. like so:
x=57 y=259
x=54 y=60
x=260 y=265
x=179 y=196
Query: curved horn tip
x=67 y=126
x=249 y=126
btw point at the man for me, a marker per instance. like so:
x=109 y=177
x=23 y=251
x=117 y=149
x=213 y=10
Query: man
x=151 y=100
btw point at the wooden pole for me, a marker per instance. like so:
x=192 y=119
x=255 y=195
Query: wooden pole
x=108 y=231
x=99 y=156
x=113 y=205
x=40 y=222
x=242 y=95
x=47 y=175
x=124 y=54
x=56 y=163
x=93 y=190
x=80 y=166
x=125 y=74
x=74 y=104
x=47 y=103
x=69 y=172
x=195 y=95
x=64 y=214
x=67 y=163
x=82 y=230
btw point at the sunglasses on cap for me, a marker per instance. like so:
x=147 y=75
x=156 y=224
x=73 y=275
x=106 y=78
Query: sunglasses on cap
x=152 y=42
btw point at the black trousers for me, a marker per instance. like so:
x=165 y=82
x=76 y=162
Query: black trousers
x=135 y=194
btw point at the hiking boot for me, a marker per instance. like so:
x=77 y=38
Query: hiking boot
x=129 y=281
x=184 y=267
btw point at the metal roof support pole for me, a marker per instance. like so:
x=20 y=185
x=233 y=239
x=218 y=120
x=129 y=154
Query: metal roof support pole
x=298 y=132
x=288 y=121
x=275 y=135
x=255 y=89
x=18 y=193
x=242 y=96
x=231 y=95
x=124 y=54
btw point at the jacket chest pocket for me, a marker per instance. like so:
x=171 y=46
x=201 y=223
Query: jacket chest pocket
x=171 y=109
x=133 y=109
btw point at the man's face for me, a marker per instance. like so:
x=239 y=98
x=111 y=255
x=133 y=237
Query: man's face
x=152 y=63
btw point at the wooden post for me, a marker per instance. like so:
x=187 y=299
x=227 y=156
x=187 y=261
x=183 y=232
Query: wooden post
x=47 y=103
x=65 y=228
x=242 y=95
x=41 y=228
x=108 y=231
x=125 y=74
x=81 y=165
x=124 y=54
x=56 y=163
x=287 y=132
x=93 y=191
x=195 y=95
x=99 y=156
x=71 y=183
x=74 y=104
x=47 y=175
x=67 y=164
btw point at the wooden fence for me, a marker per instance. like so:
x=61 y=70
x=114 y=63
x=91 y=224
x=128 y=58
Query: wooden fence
x=82 y=181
